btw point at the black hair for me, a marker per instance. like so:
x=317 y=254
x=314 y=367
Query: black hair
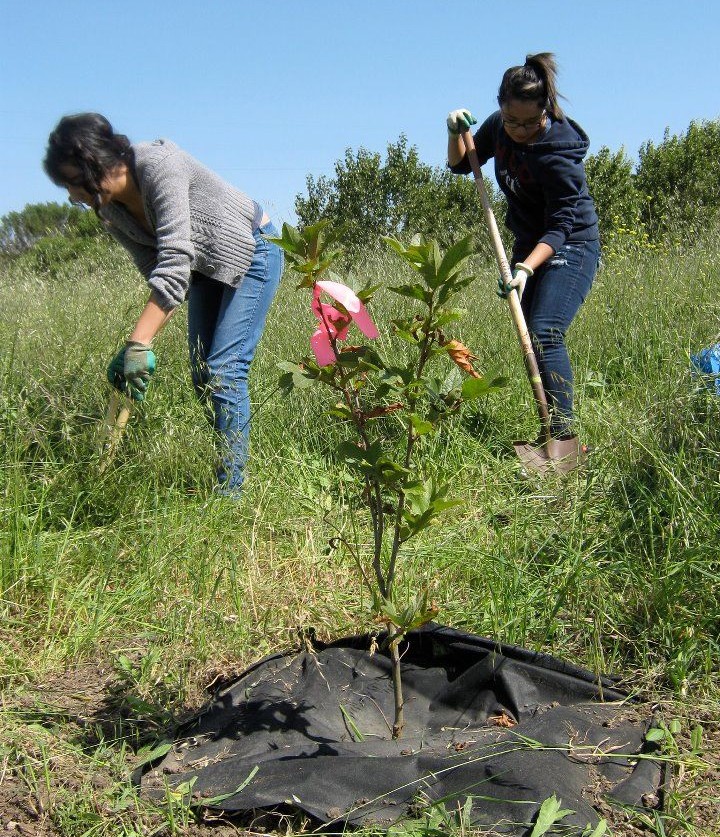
x=535 y=81
x=85 y=141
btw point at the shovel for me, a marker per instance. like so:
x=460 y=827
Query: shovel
x=546 y=454
x=116 y=418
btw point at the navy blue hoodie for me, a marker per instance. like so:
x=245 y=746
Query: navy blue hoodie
x=544 y=183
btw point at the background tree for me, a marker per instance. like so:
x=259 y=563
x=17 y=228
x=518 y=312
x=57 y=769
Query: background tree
x=679 y=180
x=611 y=184
x=19 y=231
x=399 y=196
x=50 y=237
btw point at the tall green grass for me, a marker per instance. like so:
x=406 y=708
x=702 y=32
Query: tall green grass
x=615 y=567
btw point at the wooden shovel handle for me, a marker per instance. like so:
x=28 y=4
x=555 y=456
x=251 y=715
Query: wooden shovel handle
x=117 y=416
x=531 y=366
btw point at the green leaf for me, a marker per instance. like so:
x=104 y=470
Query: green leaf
x=406 y=335
x=417 y=611
x=417 y=255
x=452 y=287
x=148 y=755
x=341 y=411
x=413 y=292
x=297 y=378
x=352 y=452
x=364 y=358
x=286 y=366
x=310 y=252
x=696 y=739
x=366 y=294
x=420 y=426
x=444 y=317
x=452 y=261
x=389 y=472
x=183 y=789
x=424 y=501
x=290 y=240
x=598 y=831
x=394 y=244
x=476 y=387
x=357 y=735
x=550 y=813
x=372 y=463
x=386 y=607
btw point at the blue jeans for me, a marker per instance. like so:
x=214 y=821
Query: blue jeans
x=552 y=298
x=224 y=327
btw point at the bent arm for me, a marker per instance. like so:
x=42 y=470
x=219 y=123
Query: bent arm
x=484 y=141
x=151 y=321
x=540 y=253
x=455 y=149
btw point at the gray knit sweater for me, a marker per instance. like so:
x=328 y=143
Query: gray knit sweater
x=201 y=223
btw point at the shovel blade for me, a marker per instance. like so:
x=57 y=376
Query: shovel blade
x=560 y=456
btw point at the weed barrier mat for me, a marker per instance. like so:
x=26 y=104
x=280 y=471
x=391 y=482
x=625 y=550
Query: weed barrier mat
x=501 y=725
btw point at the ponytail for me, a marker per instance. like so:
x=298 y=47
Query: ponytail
x=535 y=81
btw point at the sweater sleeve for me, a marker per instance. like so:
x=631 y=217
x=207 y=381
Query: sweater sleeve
x=562 y=181
x=166 y=190
x=484 y=145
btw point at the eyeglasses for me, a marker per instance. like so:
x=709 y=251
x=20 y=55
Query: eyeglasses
x=514 y=125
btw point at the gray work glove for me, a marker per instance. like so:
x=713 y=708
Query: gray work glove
x=139 y=366
x=521 y=274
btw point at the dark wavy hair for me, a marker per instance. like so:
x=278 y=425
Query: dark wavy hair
x=535 y=81
x=87 y=142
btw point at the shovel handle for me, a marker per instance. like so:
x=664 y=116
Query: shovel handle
x=531 y=365
x=117 y=415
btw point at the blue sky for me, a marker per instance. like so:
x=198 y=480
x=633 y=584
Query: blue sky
x=266 y=93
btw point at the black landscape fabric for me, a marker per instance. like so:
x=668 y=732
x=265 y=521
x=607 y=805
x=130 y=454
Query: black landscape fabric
x=505 y=726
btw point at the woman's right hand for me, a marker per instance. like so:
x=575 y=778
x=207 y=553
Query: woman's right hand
x=459 y=120
x=139 y=365
x=130 y=370
x=116 y=371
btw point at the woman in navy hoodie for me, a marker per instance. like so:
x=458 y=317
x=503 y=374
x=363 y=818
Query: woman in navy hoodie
x=538 y=154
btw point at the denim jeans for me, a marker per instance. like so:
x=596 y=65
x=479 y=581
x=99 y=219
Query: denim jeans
x=552 y=298
x=224 y=327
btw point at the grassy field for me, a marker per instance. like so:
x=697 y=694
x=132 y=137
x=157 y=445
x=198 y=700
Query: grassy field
x=128 y=593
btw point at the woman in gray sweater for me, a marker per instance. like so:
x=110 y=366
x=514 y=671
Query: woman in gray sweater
x=193 y=236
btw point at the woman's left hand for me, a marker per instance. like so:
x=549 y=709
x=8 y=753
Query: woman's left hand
x=520 y=276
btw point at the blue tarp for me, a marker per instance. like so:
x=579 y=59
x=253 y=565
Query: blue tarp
x=706 y=363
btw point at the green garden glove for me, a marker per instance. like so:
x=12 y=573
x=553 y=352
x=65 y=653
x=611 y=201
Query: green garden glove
x=116 y=371
x=139 y=365
x=459 y=120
